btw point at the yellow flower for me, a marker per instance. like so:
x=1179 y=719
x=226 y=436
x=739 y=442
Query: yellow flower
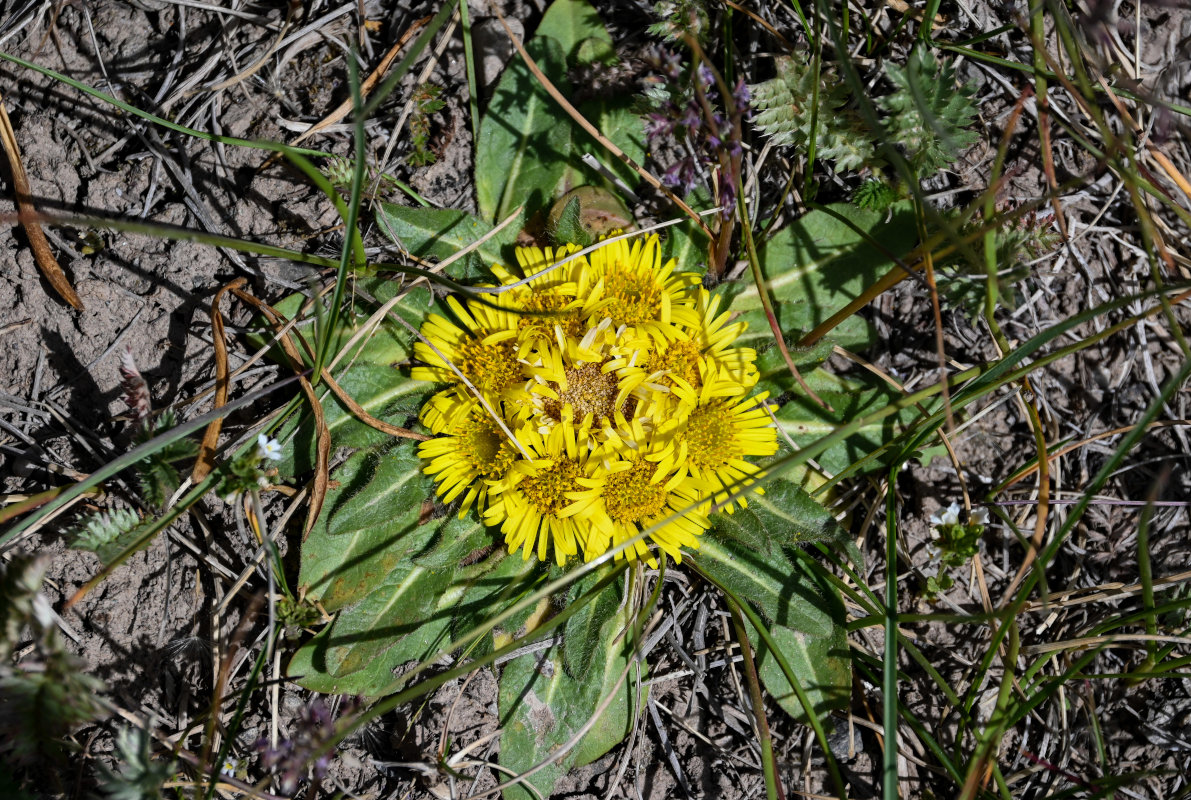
x=635 y=289
x=532 y=504
x=632 y=495
x=485 y=355
x=719 y=430
x=473 y=453
x=615 y=407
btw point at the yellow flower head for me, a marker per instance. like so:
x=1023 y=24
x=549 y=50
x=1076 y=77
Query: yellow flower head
x=600 y=404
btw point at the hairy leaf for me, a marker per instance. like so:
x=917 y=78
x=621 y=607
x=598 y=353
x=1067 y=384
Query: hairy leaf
x=570 y=23
x=786 y=108
x=542 y=707
x=522 y=151
x=778 y=585
x=582 y=638
x=805 y=421
x=817 y=265
x=930 y=113
x=369 y=529
x=439 y=233
x=821 y=664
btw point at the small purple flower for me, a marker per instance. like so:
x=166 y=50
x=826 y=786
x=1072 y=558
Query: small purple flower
x=691 y=119
x=657 y=125
x=681 y=175
x=741 y=94
x=727 y=186
x=708 y=139
x=667 y=62
x=291 y=757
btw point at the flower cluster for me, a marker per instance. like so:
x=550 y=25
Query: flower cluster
x=245 y=472
x=596 y=398
x=292 y=759
x=680 y=114
x=952 y=545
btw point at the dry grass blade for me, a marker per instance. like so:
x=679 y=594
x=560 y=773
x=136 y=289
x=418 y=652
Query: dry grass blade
x=206 y=457
x=368 y=84
x=37 y=242
x=260 y=62
x=358 y=411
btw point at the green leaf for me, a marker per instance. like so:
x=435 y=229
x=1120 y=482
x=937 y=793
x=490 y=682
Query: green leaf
x=686 y=241
x=523 y=146
x=596 y=49
x=109 y=534
x=369 y=527
x=460 y=540
x=617 y=121
x=493 y=591
x=787 y=105
x=542 y=707
x=930 y=113
x=569 y=228
x=402 y=587
x=358 y=652
x=752 y=554
x=779 y=586
x=407 y=614
x=570 y=22
x=582 y=636
x=386 y=344
x=439 y=233
x=805 y=421
x=821 y=664
x=392 y=621
x=784 y=516
x=384 y=392
x=774 y=376
x=817 y=265
x=408 y=621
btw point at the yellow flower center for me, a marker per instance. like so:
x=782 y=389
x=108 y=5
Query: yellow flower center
x=550 y=305
x=680 y=359
x=547 y=489
x=633 y=297
x=491 y=367
x=629 y=497
x=485 y=447
x=709 y=437
x=589 y=390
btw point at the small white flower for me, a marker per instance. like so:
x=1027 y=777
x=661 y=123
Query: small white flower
x=979 y=516
x=269 y=449
x=949 y=517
